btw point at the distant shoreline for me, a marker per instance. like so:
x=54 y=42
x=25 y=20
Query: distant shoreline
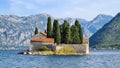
x=103 y=49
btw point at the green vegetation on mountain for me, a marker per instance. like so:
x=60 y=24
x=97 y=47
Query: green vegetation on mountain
x=109 y=36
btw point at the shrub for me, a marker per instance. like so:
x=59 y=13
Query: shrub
x=66 y=50
x=44 y=48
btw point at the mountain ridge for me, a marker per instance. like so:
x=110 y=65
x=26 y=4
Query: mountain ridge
x=16 y=30
x=108 y=36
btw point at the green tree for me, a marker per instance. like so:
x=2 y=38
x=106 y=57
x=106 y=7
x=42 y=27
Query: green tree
x=63 y=34
x=67 y=34
x=49 y=28
x=36 y=31
x=45 y=31
x=79 y=31
x=61 y=31
x=75 y=35
x=56 y=32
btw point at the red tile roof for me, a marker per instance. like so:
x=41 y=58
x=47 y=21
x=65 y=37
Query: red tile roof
x=85 y=40
x=51 y=40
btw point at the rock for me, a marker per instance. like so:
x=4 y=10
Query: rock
x=20 y=52
x=30 y=53
x=25 y=53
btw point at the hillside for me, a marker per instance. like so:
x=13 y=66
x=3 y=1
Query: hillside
x=108 y=36
x=98 y=22
x=15 y=30
x=90 y=27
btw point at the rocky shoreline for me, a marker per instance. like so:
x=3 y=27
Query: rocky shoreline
x=50 y=53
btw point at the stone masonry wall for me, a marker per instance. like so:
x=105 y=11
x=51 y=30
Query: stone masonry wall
x=79 y=48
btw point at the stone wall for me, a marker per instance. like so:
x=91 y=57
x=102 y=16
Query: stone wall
x=37 y=45
x=79 y=48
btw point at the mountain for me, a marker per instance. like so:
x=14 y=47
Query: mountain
x=83 y=23
x=108 y=36
x=15 y=30
x=98 y=23
x=89 y=27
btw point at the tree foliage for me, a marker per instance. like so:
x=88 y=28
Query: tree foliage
x=56 y=32
x=63 y=31
x=36 y=31
x=75 y=35
x=79 y=31
x=67 y=34
x=49 y=28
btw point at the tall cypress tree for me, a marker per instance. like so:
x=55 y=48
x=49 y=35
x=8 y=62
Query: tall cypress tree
x=75 y=35
x=36 y=31
x=49 y=28
x=56 y=32
x=67 y=34
x=61 y=31
x=79 y=31
x=64 y=26
x=45 y=31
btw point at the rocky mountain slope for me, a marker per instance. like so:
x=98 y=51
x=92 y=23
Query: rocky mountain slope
x=15 y=30
x=90 y=27
x=108 y=36
x=98 y=23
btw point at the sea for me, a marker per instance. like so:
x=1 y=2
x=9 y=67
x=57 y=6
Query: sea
x=96 y=59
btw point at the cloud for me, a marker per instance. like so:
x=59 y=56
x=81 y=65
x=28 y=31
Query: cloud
x=64 y=8
x=21 y=7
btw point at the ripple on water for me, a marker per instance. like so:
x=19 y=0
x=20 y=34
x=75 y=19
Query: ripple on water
x=97 y=59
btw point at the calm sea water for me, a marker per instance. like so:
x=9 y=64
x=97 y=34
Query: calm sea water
x=97 y=59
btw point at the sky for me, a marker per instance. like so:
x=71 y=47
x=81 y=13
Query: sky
x=86 y=9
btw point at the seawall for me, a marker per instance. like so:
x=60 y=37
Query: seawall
x=79 y=48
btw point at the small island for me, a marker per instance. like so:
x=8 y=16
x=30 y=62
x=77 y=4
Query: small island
x=59 y=40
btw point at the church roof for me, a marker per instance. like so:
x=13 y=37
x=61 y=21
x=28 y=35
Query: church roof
x=49 y=40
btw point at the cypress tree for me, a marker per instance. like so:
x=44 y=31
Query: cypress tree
x=36 y=31
x=67 y=34
x=74 y=35
x=56 y=32
x=63 y=34
x=49 y=28
x=61 y=31
x=45 y=31
x=79 y=31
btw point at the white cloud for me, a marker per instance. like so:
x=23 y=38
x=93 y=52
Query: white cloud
x=65 y=8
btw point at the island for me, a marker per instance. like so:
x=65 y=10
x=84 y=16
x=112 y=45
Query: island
x=59 y=40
